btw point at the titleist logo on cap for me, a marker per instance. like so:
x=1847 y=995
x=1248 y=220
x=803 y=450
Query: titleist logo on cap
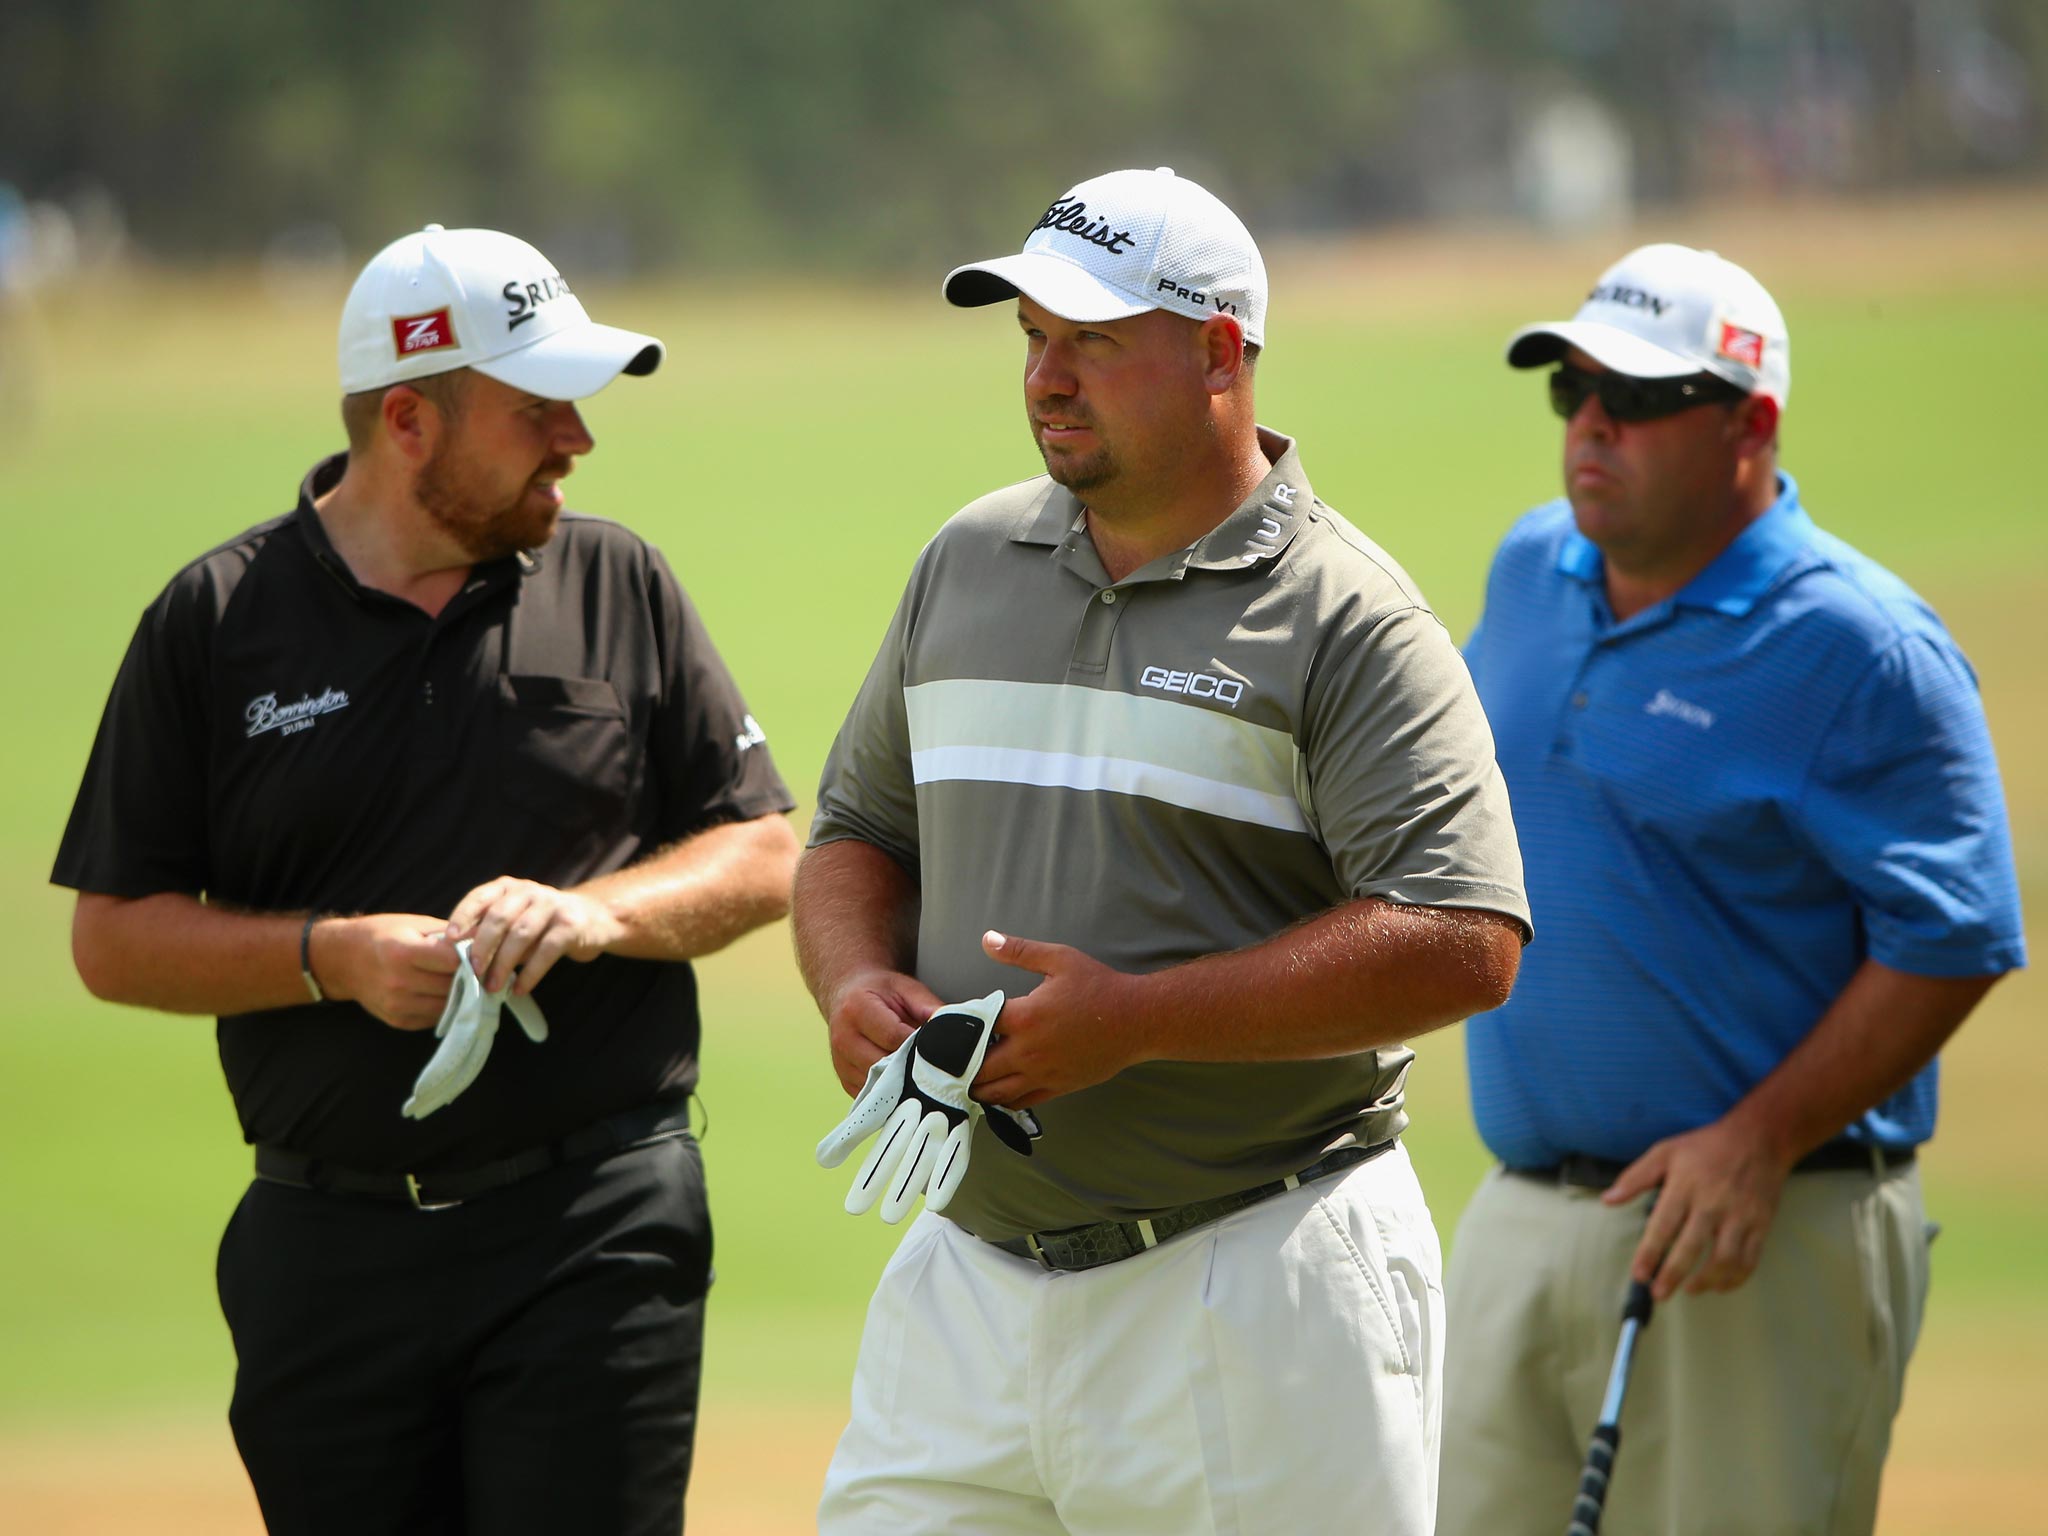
x=1070 y=215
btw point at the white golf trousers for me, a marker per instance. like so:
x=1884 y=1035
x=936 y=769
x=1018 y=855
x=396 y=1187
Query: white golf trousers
x=1277 y=1371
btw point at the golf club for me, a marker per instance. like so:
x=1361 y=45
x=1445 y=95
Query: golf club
x=1591 y=1503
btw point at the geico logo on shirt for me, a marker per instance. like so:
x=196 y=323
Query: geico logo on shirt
x=1199 y=685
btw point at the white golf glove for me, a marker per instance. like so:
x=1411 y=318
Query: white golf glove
x=917 y=1099
x=468 y=1026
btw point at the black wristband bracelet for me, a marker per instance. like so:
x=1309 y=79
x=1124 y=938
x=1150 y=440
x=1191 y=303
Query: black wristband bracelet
x=306 y=956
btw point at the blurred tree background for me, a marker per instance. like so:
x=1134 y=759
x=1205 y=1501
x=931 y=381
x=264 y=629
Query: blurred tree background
x=862 y=135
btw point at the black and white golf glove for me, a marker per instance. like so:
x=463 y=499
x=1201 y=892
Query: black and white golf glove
x=917 y=1099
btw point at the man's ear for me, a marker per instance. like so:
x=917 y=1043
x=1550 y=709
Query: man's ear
x=1221 y=339
x=1756 y=423
x=412 y=422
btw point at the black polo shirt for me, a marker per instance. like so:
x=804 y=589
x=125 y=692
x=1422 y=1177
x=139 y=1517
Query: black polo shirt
x=281 y=737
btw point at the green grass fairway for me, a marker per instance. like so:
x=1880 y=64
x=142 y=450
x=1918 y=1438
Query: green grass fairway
x=791 y=458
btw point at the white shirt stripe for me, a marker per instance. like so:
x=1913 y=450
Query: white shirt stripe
x=1067 y=770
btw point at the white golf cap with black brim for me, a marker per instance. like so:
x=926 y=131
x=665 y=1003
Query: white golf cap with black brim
x=443 y=299
x=1125 y=243
x=1669 y=311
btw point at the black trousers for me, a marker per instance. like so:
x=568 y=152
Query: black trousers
x=525 y=1362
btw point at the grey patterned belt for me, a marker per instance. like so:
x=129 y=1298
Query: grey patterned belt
x=1104 y=1242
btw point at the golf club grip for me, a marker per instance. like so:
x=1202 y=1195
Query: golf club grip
x=1591 y=1503
x=1640 y=1303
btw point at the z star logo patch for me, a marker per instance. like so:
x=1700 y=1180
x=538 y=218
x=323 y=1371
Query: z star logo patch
x=1743 y=346
x=264 y=713
x=422 y=333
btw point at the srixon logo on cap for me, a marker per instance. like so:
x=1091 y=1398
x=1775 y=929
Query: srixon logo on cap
x=523 y=300
x=1741 y=345
x=422 y=333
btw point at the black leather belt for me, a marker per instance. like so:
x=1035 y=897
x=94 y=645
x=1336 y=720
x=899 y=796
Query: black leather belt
x=1579 y=1171
x=1104 y=1242
x=628 y=1128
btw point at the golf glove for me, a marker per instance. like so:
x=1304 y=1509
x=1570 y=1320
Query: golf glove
x=468 y=1026
x=918 y=1100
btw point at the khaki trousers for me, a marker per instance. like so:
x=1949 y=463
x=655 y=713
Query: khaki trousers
x=1764 y=1411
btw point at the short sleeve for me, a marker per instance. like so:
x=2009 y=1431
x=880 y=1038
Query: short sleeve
x=709 y=755
x=1403 y=786
x=867 y=790
x=1904 y=804
x=139 y=824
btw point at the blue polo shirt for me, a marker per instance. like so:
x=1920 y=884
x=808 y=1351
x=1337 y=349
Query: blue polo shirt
x=1725 y=804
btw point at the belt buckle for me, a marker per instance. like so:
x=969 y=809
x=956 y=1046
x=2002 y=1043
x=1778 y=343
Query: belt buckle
x=1037 y=1252
x=412 y=1190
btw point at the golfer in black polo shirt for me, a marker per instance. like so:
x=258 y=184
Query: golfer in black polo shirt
x=427 y=709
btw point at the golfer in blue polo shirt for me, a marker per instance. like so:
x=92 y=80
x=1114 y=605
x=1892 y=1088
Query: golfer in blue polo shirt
x=1768 y=854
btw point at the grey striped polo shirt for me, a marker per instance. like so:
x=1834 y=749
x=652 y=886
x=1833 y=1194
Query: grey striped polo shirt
x=1233 y=738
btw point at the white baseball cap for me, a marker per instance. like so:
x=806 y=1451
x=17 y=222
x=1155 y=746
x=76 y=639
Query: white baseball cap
x=473 y=298
x=1664 y=311
x=1125 y=243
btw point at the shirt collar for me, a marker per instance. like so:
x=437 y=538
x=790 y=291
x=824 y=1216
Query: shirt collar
x=1261 y=526
x=1266 y=521
x=1739 y=575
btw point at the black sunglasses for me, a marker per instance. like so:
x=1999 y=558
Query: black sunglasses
x=1631 y=399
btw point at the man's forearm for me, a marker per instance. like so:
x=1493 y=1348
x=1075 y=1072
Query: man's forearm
x=698 y=895
x=1881 y=1030
x=856 y=909
x=178 y=954
x=1367 y=974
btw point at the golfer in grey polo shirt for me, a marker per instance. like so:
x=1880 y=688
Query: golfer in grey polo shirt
x=1179 y=760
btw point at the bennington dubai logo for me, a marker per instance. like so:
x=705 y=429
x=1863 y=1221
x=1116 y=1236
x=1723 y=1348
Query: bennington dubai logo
x=264 y=713
x=1070 y=214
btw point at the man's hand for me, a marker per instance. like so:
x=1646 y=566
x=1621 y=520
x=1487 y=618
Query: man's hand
x=518 y=929
x=1718 y=1193
x=871 y=1017
x=396 y=966
x=1074 y=1030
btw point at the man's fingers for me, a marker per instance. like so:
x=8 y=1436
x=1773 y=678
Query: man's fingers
x=1667 y=1216
x=463 y=920
x=1684 y=1257
x=550 y=947
x=879 y=1026
x=517 y=949
x=1028 y=954
x=433 y=960
x=494 y=925
x=1731 y=1262
x=1645 y=1173
x=1004 y=1090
